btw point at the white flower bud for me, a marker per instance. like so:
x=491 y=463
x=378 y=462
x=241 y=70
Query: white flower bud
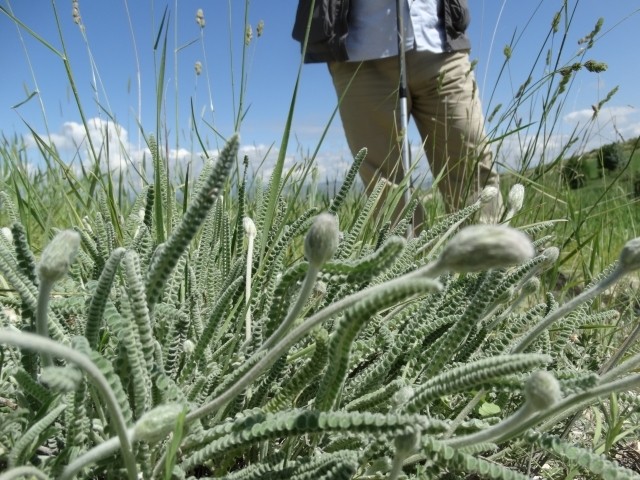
x=58 y=256
x=407 y=443
x=488 y=194
x=319 y=289
x=542 y=390
x=630 y=255
x=6 y=233
x=516 y=197
x=481 y=247
x=154 y=425
x=531 y=286
x=322 y=239
x=188 y=347
x=551 y=255
x=403 y=395
x=249 y=227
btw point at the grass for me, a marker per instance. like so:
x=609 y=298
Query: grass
x=183 y=280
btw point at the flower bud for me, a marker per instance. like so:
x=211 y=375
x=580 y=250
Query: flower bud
x=516 y=197
x=630 y=255
x=6 y=233
x=481 y=247
x=542 y=390
x=488 y=194
x=249 y=227
x=322 y=239
x=551 y=256
x=407 y=443
x=403 y=395
x=531 y=286
x=188 y=347
x=155 y=424
x=58 y=256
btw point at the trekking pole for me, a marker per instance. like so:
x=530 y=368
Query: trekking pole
x=404 y=114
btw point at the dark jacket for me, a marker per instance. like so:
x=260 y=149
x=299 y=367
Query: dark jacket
x=329 y=27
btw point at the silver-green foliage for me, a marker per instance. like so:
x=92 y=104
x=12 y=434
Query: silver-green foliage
x=382 y=369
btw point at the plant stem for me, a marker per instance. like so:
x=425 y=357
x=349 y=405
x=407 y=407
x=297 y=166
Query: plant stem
x=546 y=322
x=303 y=296
x=24 y=472
x=30 y=341
x=42 y=326
x=504 y=428
x=296 y=334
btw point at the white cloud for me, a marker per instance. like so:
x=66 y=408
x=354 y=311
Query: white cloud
x=619 y=114
x=580 y=128
x=118 y=154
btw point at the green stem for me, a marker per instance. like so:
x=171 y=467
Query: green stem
x=97 y=453
x=42 y=326
x=629 y=364
x=294 y=336
x=504 y=428
x=110 y=446
x=569 y=405
x=303 y=296
x=30 y=341
x=24 y=472
x=587 y=295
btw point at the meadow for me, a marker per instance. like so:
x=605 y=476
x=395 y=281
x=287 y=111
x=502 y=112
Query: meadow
x=209 y=324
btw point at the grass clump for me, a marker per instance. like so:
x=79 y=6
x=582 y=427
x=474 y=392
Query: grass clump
x=401 y=353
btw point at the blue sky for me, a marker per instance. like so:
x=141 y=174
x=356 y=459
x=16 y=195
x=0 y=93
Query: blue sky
x=118 y=50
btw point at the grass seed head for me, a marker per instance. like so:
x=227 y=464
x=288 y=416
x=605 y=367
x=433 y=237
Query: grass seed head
x=200 y=18
x=481 y=247
x=58 y=256
x=322 y=239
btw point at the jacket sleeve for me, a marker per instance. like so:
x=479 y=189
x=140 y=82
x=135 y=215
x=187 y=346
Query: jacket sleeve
x=328 y=29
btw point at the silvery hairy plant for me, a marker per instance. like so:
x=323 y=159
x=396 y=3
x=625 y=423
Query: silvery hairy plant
x=200 y=357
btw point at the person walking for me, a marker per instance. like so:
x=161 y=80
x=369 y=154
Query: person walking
x=359 y=40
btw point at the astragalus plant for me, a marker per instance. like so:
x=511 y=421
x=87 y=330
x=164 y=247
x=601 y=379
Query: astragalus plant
x=339 y=356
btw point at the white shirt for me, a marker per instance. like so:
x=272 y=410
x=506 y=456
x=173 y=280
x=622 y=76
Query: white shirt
x=373 y=27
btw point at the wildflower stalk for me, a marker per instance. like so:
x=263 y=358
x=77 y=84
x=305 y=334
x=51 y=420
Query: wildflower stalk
x=24 y=472
x=281 y=347
x=320 y=244
x=569 y=405
x=251 y=232
x=628 y=261
x=541 y=391
x=42 y=327
x=54 y=264
x=30 y=341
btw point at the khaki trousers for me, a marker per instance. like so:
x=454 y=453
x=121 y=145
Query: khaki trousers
x=442 y=99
